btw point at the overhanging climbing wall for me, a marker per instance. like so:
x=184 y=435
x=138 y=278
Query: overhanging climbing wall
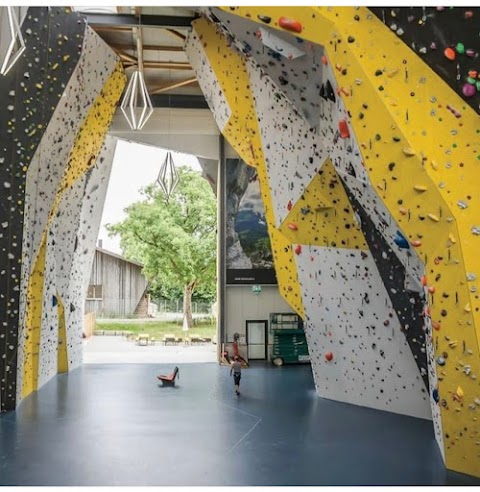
x=367 y=163
x=61 y=98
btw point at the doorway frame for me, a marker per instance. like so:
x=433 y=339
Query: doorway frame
x=265 y=322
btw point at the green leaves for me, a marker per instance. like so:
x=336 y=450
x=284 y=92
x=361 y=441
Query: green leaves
x=174 y=239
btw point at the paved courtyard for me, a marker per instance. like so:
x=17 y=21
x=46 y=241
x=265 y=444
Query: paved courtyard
x=119 y=350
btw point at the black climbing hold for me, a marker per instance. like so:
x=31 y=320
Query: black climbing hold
x=265 y=18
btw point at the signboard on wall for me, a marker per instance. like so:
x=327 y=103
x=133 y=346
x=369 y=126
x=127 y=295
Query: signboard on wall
x=249 y=254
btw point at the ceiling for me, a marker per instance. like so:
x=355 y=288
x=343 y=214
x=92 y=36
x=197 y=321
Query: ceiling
x=154 y=34
x=182 y=120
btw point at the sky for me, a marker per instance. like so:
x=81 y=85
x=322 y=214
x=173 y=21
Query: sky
x=134 y=166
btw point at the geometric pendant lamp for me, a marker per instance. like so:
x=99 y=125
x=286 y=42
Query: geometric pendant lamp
x=168 y=176
x=136 y=105
x=12 y=44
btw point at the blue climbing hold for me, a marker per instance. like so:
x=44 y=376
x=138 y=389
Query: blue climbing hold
x=54 y=301
x=401 y=241
x=435 y=395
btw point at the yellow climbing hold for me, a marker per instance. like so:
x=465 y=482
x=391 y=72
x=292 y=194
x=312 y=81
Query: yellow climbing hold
x=452 y=239
x=408 y=151
x=403 y=211
x=420 y=188
x=433 y=217
x=392 y=73
x=434 y=165
x=459 y=392
x=467 y=308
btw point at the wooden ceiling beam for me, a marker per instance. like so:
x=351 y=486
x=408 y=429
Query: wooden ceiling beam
x=172 y=85
x=146 y=47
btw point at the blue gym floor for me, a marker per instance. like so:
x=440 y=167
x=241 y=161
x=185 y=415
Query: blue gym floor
x=113 y=425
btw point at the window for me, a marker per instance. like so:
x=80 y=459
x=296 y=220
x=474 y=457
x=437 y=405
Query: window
x=94 y=292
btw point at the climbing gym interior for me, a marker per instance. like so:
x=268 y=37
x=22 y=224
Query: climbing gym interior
x=362 y=128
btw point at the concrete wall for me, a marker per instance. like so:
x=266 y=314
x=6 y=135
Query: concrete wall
x=242 y=305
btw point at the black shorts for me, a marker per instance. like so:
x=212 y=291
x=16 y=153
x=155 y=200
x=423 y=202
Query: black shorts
x=236 y=377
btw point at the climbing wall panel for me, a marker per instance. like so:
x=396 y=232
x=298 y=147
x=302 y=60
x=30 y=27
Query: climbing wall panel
x=208 y=51
x=39 y=352
x=30 y=94
x=415 y=192
x=371 y=362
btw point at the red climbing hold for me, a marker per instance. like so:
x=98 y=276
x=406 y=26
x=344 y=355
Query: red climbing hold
x=424 y=280
x=343 y=129
x=328 y=356
x=324 y=60
x=449 y=53
x=289 y=205
x=436 y=325
x=292 y=226
x=290 y=24
x=298 y=249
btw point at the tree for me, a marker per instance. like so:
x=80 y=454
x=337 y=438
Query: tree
x=175 y=239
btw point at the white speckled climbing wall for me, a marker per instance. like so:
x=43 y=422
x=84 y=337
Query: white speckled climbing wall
x=350 y=317
x=63 y=169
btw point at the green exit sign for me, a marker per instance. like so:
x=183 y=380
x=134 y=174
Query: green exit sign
x=256 y=289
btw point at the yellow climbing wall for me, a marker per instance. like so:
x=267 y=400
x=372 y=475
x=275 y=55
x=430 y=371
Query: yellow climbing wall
x=323 y=215
x=87 y=145
x=421 y=158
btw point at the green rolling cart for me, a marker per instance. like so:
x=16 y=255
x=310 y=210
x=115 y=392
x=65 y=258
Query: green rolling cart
x=289 y=342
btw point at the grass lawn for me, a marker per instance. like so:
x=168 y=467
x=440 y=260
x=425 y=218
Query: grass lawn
x=159 y=329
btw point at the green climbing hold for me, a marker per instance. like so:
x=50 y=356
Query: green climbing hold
x=460 y=48
x=470 y=80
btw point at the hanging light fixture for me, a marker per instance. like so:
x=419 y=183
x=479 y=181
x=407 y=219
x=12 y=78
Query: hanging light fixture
x=168 y=176
x=136 y=105
x=12 y=44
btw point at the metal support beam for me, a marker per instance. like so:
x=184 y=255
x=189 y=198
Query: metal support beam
x=221 y=246
x=180 y=101
x=163 y=21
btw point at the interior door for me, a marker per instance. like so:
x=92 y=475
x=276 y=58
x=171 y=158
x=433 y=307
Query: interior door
x=257 y=339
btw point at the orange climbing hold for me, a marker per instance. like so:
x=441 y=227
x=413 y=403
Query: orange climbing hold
x=416 y=243
x=324 y=60
x=343 y=129
x=436 y=325
x=449 y=53
x=292 y=226
x=290 y=24
x=298 y=249
x=424 y=280
x=431 y=289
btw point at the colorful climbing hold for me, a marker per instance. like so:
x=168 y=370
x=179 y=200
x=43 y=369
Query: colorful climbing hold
x=292 y=226
x=298 y=249
x=469 y=90
x=401 y=241
x=343 y=129
x=416 y=243
x=328 y=356
x=460 y=48
x=449 y=53
x=290 y=24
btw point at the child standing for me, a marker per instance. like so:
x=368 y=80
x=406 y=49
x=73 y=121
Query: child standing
x=236 y=369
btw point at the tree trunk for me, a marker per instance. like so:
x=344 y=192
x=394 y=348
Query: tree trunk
x=187 y=304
